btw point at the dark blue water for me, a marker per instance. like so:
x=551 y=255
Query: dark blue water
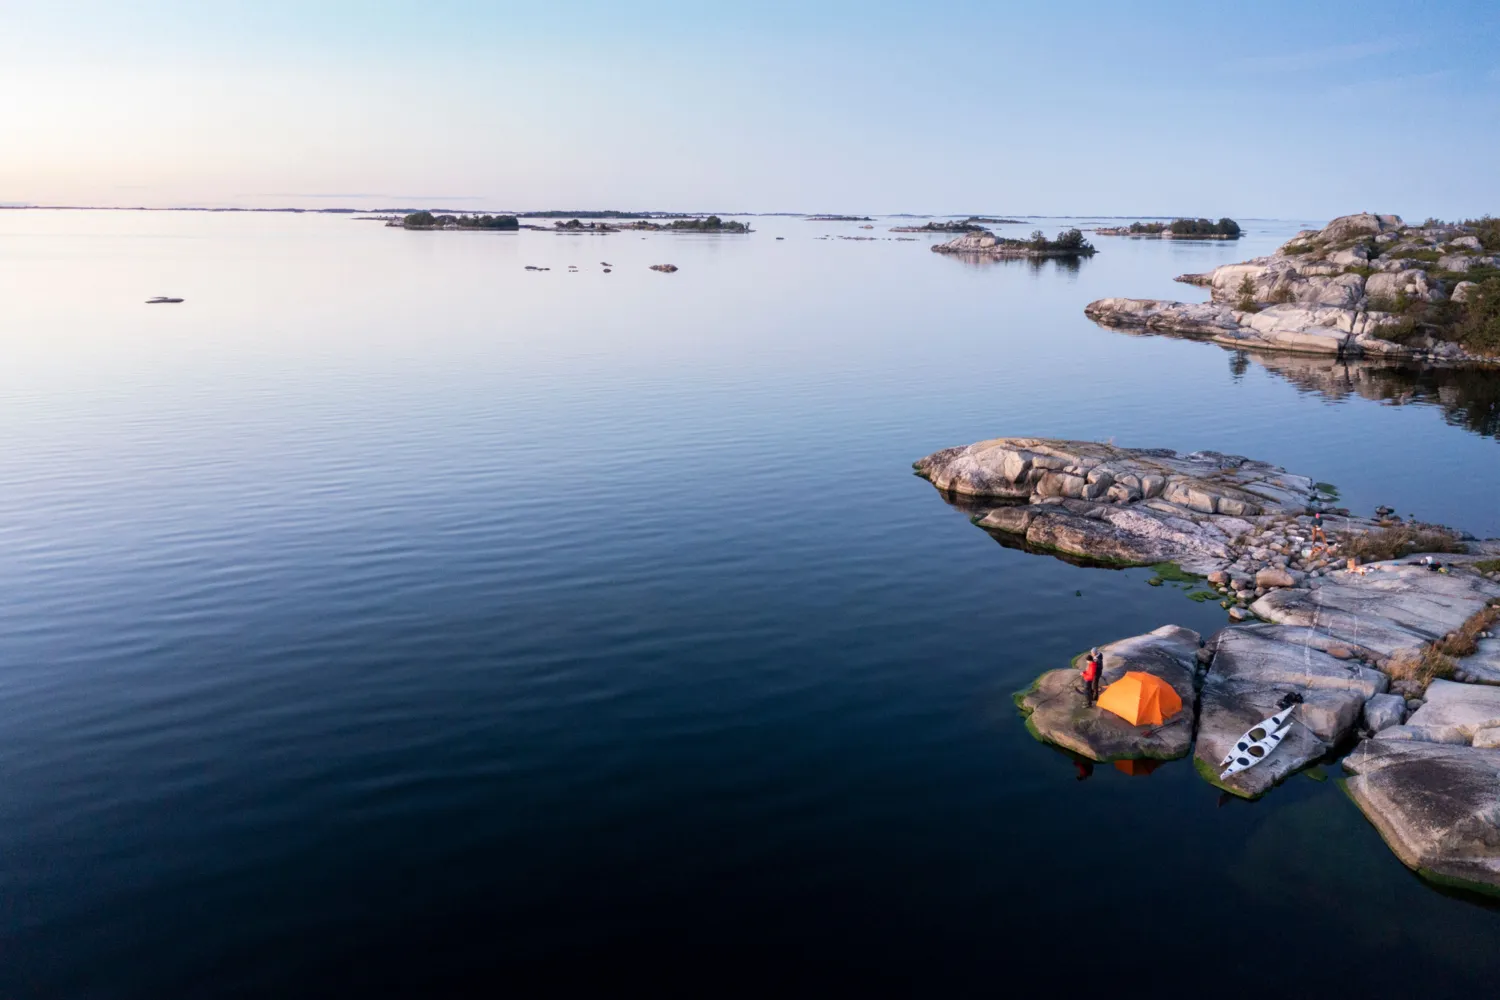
x=387 y=616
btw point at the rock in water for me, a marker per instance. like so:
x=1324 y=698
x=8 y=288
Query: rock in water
x=1437 y=806
x=1325 y=292
x=1131 y=505
x=1058 y=712
x=664 y=268
x=1254 y=669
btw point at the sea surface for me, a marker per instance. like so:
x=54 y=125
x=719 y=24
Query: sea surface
x=387 y=617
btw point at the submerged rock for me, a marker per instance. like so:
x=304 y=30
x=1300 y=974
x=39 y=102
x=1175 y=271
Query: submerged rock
x=1058 y=712
x=1437 y=806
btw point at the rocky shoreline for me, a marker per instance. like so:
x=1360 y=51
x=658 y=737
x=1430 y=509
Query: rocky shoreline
x=1360 y=287
x=1393 y=653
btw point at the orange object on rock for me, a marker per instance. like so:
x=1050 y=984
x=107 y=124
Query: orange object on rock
x=1141 y=699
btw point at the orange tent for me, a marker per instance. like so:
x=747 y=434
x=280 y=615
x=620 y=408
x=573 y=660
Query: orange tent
x=1141 y=699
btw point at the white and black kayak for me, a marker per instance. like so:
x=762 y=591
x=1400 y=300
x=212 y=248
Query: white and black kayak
x=1257 y=743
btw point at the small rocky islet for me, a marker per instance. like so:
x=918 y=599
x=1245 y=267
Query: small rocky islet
x=980 y=242
x=1364 y=285
x=1394 y=653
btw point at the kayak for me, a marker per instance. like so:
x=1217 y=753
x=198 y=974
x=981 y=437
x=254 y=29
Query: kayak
x=1257 y=743
x=160 y=300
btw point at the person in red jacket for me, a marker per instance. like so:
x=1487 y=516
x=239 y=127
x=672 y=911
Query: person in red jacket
x=1093 y=668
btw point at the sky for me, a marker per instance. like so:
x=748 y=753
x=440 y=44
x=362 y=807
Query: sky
x=1252 y=110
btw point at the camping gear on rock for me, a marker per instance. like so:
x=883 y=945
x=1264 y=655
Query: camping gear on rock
x=1141 y=699
x=1257 y=743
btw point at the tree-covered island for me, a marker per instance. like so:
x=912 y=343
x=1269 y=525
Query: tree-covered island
x=1177 y=229
x=426 y=220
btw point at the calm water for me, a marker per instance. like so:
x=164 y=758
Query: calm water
x=389 y=616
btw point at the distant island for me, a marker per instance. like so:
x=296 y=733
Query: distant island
x=1177 y=229
x=578 y=226
x=839 y=218
x=711 y=224
x=972 y=224
x=605 y=214
x=983 y=243
x=426 y=220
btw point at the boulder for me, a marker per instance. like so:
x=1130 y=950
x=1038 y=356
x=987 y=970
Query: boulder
x=1414 y=284
x=1382 y=711
x=1058 y=713
x=1454 y=713
x=1467 y=242
x=1274 y=577
x=1254 y=669
x=1463 y=290
x=1347 y=227
x=1436 y=806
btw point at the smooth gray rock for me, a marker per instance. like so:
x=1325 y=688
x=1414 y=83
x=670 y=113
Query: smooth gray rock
x=1254 y=668
x=1158 y=505
x=1382 y=711
x=1389 y=609
x=1454 y=712
x=1436 y=806
x=1057 y=711
x=1484 y=666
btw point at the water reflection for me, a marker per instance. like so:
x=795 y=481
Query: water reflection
x=1468 y=397
x=1037 y=265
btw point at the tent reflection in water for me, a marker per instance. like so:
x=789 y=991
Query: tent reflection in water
x=1138 y=766
x=1141 y=699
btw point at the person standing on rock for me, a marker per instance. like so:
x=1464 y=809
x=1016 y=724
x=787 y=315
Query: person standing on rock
x=1092 y=668
x=1319 y=538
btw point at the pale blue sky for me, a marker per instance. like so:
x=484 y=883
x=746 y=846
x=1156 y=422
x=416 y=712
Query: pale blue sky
x=1264 y=109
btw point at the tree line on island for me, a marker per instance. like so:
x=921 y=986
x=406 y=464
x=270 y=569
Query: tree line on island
x=708 y=224
x=426 y=220
x=1068 y=241
x=1204 y=229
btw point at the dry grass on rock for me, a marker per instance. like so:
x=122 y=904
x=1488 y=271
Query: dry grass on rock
x=1440 y=659
x=1399 y=540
